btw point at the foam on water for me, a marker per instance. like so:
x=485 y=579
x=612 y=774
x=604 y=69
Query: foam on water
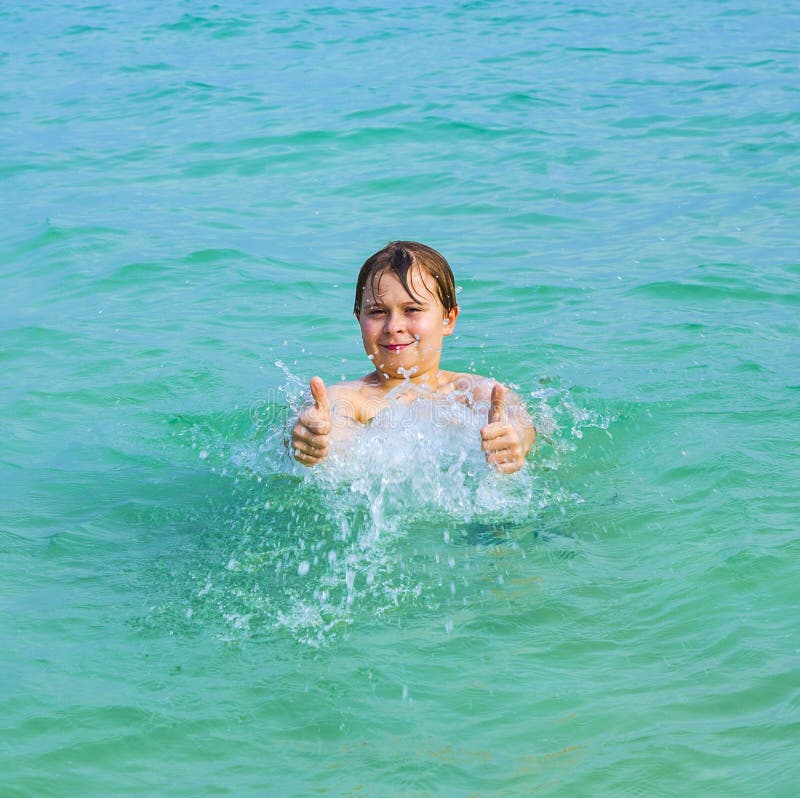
x=388 y=519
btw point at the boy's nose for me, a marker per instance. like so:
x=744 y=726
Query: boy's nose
x=394 y=322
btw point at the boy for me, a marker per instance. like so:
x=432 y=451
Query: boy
x=405 y=304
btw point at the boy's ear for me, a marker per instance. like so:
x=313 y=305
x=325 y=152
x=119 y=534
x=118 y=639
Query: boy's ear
x=450 y=321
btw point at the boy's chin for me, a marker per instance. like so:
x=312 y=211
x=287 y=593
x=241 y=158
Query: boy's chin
x=395 y=371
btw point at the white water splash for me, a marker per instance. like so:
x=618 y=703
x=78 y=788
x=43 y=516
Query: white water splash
x=381 y=523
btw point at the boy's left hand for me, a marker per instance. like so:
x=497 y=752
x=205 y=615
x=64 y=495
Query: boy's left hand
x=499 y=440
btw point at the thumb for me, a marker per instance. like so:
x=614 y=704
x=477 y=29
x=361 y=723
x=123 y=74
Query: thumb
x=320 y=395
x=497 y=409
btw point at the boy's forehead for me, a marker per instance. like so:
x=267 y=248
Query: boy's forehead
x=419 y=281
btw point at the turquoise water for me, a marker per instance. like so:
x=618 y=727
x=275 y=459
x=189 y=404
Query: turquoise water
x=188 y=191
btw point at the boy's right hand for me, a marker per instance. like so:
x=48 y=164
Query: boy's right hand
x=311 y=433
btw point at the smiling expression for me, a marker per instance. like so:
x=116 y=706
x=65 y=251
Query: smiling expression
x=403 y=334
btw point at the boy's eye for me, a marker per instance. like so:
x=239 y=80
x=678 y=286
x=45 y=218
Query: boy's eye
x=414 y=310
x=376 y=311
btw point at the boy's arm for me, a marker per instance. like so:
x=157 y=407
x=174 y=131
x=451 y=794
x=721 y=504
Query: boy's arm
x=509 y=434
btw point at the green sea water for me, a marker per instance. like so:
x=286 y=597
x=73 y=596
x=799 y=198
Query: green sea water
x=188 y=191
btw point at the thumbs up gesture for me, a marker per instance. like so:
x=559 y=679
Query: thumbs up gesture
x=311 y=433
x=500 y=440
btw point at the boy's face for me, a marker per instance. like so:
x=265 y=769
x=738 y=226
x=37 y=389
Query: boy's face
x=400 y=332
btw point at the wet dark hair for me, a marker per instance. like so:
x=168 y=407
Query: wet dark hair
x=399 y=257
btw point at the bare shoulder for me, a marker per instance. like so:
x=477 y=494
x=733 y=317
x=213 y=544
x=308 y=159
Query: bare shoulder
x=479 y=389
x=344 y=399
x=341 y=390
x=348 y=399
x=472 y=386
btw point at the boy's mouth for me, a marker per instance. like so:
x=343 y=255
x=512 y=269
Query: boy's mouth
x=396 y=347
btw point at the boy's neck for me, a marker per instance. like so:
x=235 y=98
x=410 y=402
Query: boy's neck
x=387 y=382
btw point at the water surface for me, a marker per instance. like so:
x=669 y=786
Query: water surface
x=188 y=192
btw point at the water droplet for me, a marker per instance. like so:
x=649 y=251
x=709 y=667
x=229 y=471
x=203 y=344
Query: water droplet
x=302 y=569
